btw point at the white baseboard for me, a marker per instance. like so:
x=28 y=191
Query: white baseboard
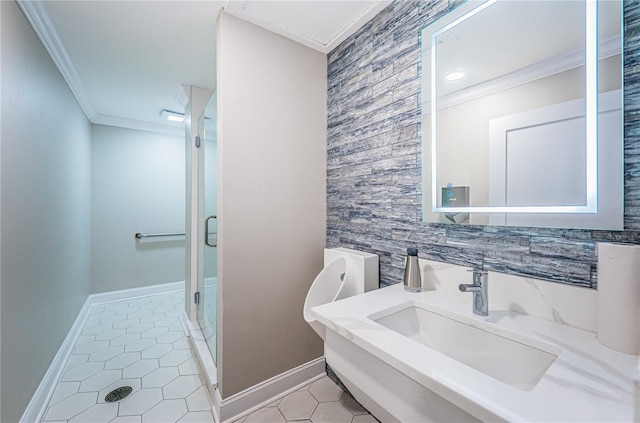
x=38 y=404
x=225 y=411
x=144 y=291
x=246 y=402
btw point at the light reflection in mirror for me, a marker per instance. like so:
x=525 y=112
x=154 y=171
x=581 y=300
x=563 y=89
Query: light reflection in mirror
x=458 y=154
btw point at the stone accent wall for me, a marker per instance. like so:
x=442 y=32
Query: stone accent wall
x=374 y=161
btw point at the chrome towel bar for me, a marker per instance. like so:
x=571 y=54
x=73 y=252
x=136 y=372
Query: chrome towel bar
x=140 y=235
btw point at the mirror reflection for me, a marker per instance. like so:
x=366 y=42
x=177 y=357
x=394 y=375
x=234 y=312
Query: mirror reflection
x=522 y=114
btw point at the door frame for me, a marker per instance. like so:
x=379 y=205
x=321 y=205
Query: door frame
x=194 y=225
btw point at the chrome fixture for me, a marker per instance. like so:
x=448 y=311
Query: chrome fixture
x=207 y=233
x=480 y=291
x=141 y=235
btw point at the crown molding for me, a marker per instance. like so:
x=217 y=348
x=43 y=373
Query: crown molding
x=607 y=48
x=241 y=10
x=38 y=15
x=356 y=24
x=177 y=130
x=40 y=19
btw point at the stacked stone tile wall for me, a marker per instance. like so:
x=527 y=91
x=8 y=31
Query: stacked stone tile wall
x=374 y=161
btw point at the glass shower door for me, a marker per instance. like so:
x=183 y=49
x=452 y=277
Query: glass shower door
x=208 y=284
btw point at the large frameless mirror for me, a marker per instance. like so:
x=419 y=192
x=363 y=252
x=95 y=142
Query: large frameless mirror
x=522 y=114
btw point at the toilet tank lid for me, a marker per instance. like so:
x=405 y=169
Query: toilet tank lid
x=352 y=251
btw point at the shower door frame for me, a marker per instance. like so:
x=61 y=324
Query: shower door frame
x=194 y=230
x=194 y=242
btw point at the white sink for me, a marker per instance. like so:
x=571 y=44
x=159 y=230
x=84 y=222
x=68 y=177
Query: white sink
x=510 y=357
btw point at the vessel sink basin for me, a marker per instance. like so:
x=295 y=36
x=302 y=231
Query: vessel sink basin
x=510 y=357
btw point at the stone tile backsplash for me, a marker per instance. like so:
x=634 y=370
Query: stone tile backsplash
x=374 y=161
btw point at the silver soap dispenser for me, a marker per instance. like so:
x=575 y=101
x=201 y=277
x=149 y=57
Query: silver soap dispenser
x=412 y=279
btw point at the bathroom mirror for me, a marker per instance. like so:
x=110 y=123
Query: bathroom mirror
x=522 y=114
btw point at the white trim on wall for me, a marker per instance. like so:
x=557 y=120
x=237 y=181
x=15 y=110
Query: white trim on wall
x=243 y=11
x=38 y=15
x=144 y=291
x=552 y=66
x=38 y=404
x=40 y=19
x=101 y=119
x=227 y=410
x=262 y=394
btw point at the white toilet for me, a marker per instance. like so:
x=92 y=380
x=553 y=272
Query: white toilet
x=346 y=273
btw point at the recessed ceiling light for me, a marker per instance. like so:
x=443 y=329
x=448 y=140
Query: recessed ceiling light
x=172 y=116
x=454 y=76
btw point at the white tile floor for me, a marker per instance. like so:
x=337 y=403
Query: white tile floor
x=141 y=343
x=319 y=402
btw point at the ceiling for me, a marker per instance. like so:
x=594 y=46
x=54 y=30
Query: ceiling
x=126 y=61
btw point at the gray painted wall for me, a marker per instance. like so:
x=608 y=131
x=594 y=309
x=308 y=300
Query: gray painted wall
x=45 y=214
x=272 y=200
x=137 y=185
x=374 y=164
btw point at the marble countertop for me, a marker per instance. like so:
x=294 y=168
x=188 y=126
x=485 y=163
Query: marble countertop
x=586 y=382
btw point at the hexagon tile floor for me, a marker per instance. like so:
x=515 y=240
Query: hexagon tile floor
x=320 y=402
x=141 y=343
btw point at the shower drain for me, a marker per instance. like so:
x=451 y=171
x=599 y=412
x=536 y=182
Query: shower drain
x=118 y=394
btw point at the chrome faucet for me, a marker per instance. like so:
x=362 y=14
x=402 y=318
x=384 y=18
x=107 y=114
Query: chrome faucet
x=480 y=291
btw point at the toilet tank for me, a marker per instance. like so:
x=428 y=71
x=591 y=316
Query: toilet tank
x=362 y=273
